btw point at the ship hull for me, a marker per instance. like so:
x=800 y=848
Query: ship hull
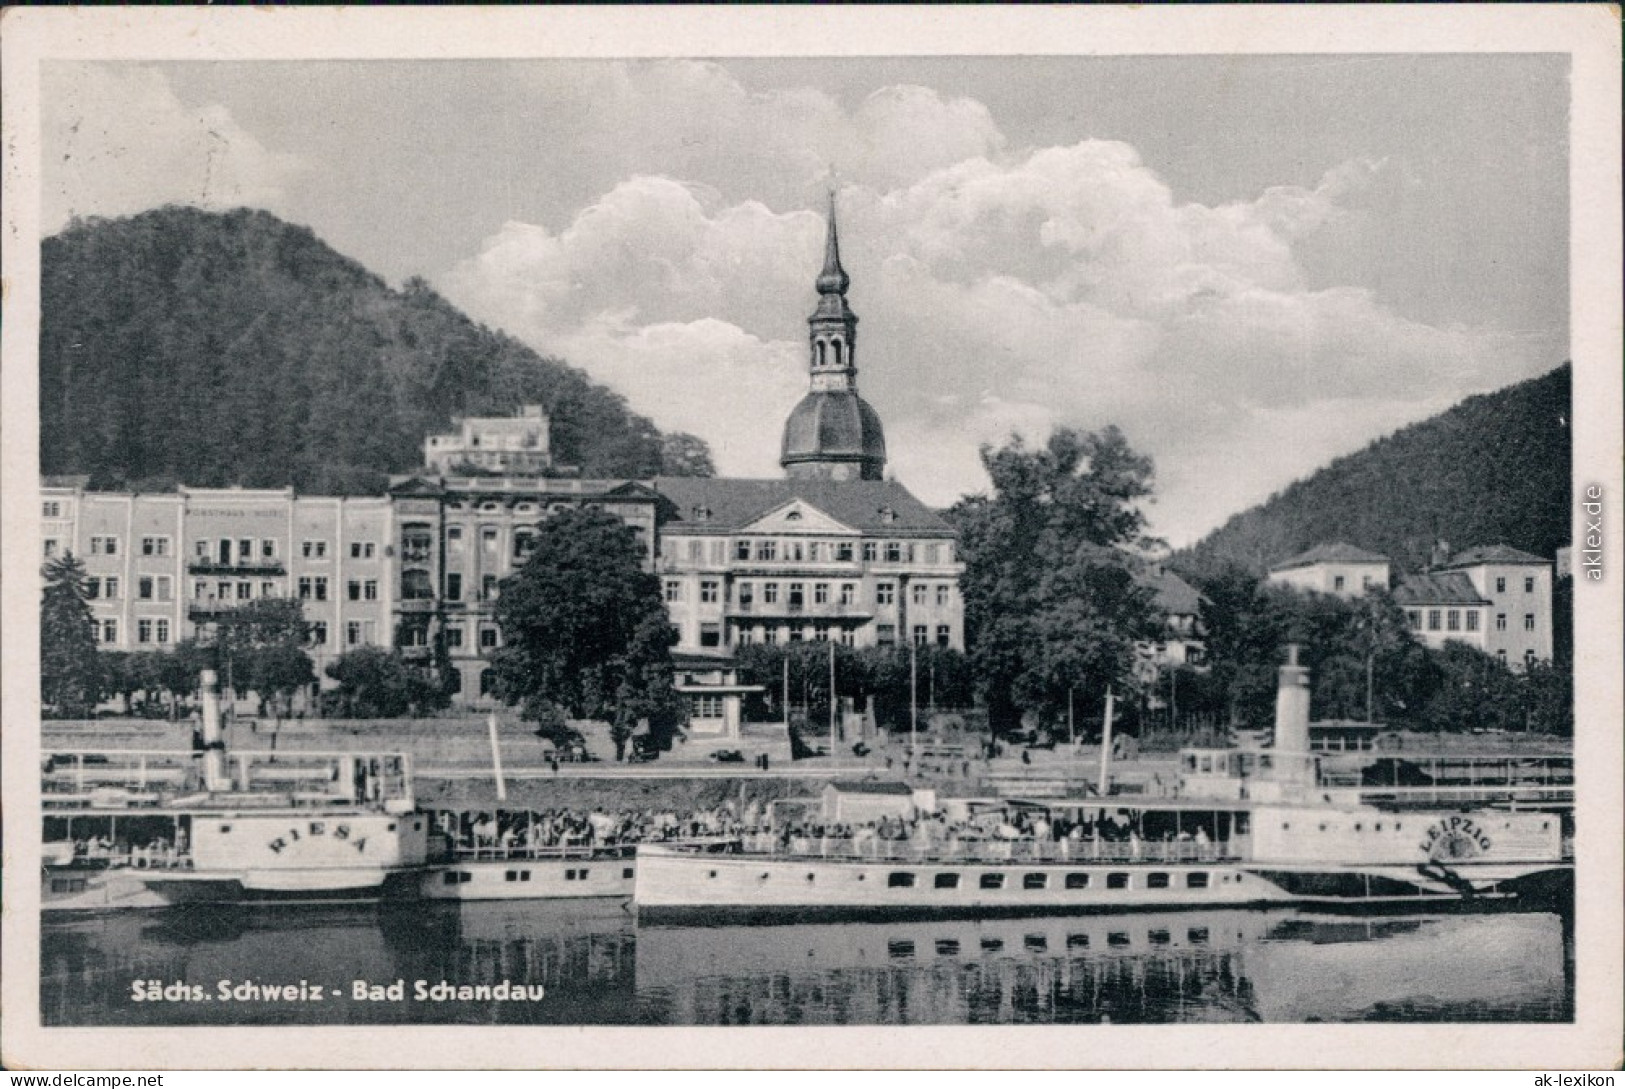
x=674 y=887
x=530 y=879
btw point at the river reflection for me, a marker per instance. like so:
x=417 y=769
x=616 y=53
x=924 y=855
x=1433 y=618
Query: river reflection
x=598 y=967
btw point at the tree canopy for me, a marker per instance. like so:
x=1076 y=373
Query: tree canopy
x=1052 y=603
x=70 y=668
x=584 y=628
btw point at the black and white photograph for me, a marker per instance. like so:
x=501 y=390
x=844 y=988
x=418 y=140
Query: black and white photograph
x=928 y=524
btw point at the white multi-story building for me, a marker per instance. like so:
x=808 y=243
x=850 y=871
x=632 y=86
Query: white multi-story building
x=1518 y=588
x=1339 y=569
x=517 y=445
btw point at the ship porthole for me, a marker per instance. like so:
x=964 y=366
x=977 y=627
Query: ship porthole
x=713 y=873
x=811 y=876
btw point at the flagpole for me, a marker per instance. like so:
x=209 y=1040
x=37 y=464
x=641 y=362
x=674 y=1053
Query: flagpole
x=913 y=697
x=832 y=699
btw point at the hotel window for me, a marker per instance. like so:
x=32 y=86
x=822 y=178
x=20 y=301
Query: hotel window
x=770 y=635
x=1415 y=617
x=454 y=539
x=919 y=635
x=797 y=595
x=794 y=551
x=268 y=589
x=917 y=593
x=268 y=549
x=742 y=637
x=1472 y=619
x=312 y=588
x=222 y=591
x=710 y=635
x=153 y=588
x=767 y=550
x=1500 y=585
x=524 y=543
x=355 y=590
x=1529 y=657
x=1337 y=582
x=849 y=593
x=488 y=539
x=488 y=588
x=143 y=630
x=50 y=547
x=1500 y=621
x=109 y=631
x=886 y=634
x=1433 y=620
x=488 y=637
x=315 y=550
x=849 y=637
x=843 y=551
x=885 y=593
x=53 y=509
x=894 y=552
x=1502 y=654
x=820 y=593
x=104 y=546
x=155 y=546
x=160 y=629
x=869 y=551
x=1528 y=585
x=770 y=593
x=817 y=551
x=741 y=550
x=316 y=633
x=93 y=588
x=933 y=553
x=361 y=550
x=454 y=636
x=710 y=590
x=674 y=590
x=1528 y=621
x=245 y=591
x=454 y=586
x=820 y=633
x=245 y=550
x=943 y=590
x=942 y=635
x=200 y=549
x=352 y=633
x=747 y=594
x=795 y=634
x=1452 y=620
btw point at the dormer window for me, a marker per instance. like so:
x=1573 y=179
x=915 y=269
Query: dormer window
x=793 y=516
x=887 y=514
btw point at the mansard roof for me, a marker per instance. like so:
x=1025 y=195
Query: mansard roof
x=725 y=505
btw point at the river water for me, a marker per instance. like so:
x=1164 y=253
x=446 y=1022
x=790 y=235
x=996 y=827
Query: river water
x=596 y=966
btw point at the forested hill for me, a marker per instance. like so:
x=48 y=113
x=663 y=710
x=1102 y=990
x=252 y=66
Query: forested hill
x=212 y=349
x=1494 y=469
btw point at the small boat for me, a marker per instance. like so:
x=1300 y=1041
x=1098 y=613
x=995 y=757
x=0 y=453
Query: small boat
x=137 y=828
x=1237 y=828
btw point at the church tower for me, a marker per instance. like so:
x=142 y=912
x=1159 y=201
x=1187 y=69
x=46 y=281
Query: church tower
x=833 y=434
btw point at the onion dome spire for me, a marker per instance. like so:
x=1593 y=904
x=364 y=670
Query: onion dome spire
x=832 y=280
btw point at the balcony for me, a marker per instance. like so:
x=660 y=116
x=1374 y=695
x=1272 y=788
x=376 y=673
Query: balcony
x=781 y=610
x=249 y=567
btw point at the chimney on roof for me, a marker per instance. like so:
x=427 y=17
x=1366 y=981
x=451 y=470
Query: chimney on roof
x=1441 y=554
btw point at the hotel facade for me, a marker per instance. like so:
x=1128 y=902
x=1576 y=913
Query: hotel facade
x=831 y=551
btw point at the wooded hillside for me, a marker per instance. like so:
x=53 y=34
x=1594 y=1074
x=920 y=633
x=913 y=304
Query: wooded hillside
x=1495 y=469
x=211 y=349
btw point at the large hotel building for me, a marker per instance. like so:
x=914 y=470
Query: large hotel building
x=832 y=551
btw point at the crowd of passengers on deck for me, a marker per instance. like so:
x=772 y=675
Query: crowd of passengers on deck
x=753 y=824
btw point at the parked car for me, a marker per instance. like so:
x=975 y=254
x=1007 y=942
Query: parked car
x=728 y=756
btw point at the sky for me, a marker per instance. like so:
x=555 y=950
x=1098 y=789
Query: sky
x=1251 y=264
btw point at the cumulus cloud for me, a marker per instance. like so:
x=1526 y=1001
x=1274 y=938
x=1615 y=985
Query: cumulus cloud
x=123 y=142
x=998 y=293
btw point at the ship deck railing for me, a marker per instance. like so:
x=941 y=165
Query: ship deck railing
x=996 y=851
x=152 y=776
x=485 y=851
